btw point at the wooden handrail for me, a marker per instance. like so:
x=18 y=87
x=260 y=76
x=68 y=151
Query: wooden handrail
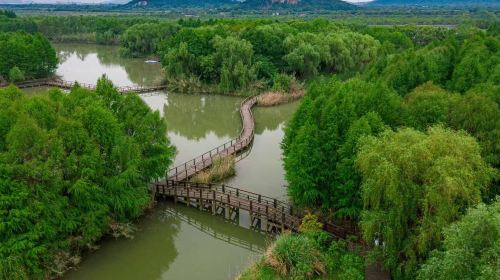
x=230 y=147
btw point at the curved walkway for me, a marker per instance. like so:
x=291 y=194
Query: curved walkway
x=265 y=212
x=188 y=169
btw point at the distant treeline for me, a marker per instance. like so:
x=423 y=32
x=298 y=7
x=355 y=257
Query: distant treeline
x=251 y=55
x=108 y=28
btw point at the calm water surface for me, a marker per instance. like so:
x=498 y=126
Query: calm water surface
x=176 y=242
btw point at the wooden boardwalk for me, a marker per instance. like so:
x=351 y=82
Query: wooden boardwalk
x=70 y=84
x=266 y=213
x=186 y=170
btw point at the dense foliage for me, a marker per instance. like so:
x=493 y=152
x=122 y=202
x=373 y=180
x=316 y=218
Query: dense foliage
x=470 y=249
x=347 y=151
x=250 y=55
x=90 y=29
x=144 y=38
x=414 y=184
x=24 y=55
x=10 y=22
x=324 y=132
x=71 y=165
x=311 y=254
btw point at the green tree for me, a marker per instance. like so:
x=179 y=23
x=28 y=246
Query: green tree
x=477 y=58
x=414 y=185
x=428 y=105
x=32 y=54
x=71 y=165
x=235 y=59
x=144 y=38
x=470 y=247
x=322 y=139
x=16 y=75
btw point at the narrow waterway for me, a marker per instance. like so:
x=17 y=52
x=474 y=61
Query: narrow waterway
x=176 y=242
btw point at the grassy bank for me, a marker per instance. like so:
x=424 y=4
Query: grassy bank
x=310 y=254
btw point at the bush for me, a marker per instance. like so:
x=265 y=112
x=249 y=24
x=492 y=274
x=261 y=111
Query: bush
x=16 y=75
x=296 y=256
x=342 y=263
x=285 y=83
x=310 y=224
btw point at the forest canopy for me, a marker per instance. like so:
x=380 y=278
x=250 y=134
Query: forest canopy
x=28 y=56
x=405 y=148
x=71 y=165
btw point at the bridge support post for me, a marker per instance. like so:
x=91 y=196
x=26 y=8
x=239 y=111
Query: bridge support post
x=201 y=201
x=250 y=212
x=188 y=199
x=227 y=209
x=175 y=195
x=213 y=202
x=265 y=222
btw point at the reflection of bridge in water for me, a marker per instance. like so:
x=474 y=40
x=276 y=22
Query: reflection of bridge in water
x=266 y=213
x=207 y=229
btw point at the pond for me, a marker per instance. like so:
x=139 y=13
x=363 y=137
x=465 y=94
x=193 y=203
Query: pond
x=173 y=241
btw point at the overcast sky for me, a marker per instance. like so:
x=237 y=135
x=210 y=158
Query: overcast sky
x=100 y=1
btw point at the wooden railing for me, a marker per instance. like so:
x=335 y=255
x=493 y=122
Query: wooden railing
x=55 y=82
x=258 y=205
x=189 y=168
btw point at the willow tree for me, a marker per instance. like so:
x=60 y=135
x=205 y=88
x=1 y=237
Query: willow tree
x=471 y=248
x=234 y=57
x=415 y=184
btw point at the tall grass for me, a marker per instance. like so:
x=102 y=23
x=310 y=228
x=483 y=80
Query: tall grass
x=222 y=167
x=295 y=256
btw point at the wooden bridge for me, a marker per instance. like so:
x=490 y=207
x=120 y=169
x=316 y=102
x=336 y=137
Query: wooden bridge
x=55 y=82
x=234 y=147
x=266 y=213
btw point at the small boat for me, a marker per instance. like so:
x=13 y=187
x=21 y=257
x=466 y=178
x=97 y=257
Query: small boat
x=151 y=61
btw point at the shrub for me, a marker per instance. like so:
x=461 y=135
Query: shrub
x=16 y=74
x=310 y=224
x=296 y=256
x=342 y=263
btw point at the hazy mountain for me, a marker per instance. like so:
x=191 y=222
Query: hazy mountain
x=181 y=3
x=435 y=3
x=248 y=4
x=296 y=5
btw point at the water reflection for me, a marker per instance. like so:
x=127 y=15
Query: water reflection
x=262 y=171
x=197 y=123
x=175 y=242
x=147 y=256
x=193 y=116
x=86 y=63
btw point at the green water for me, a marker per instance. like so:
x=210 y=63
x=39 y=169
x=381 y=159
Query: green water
x=176 y=242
